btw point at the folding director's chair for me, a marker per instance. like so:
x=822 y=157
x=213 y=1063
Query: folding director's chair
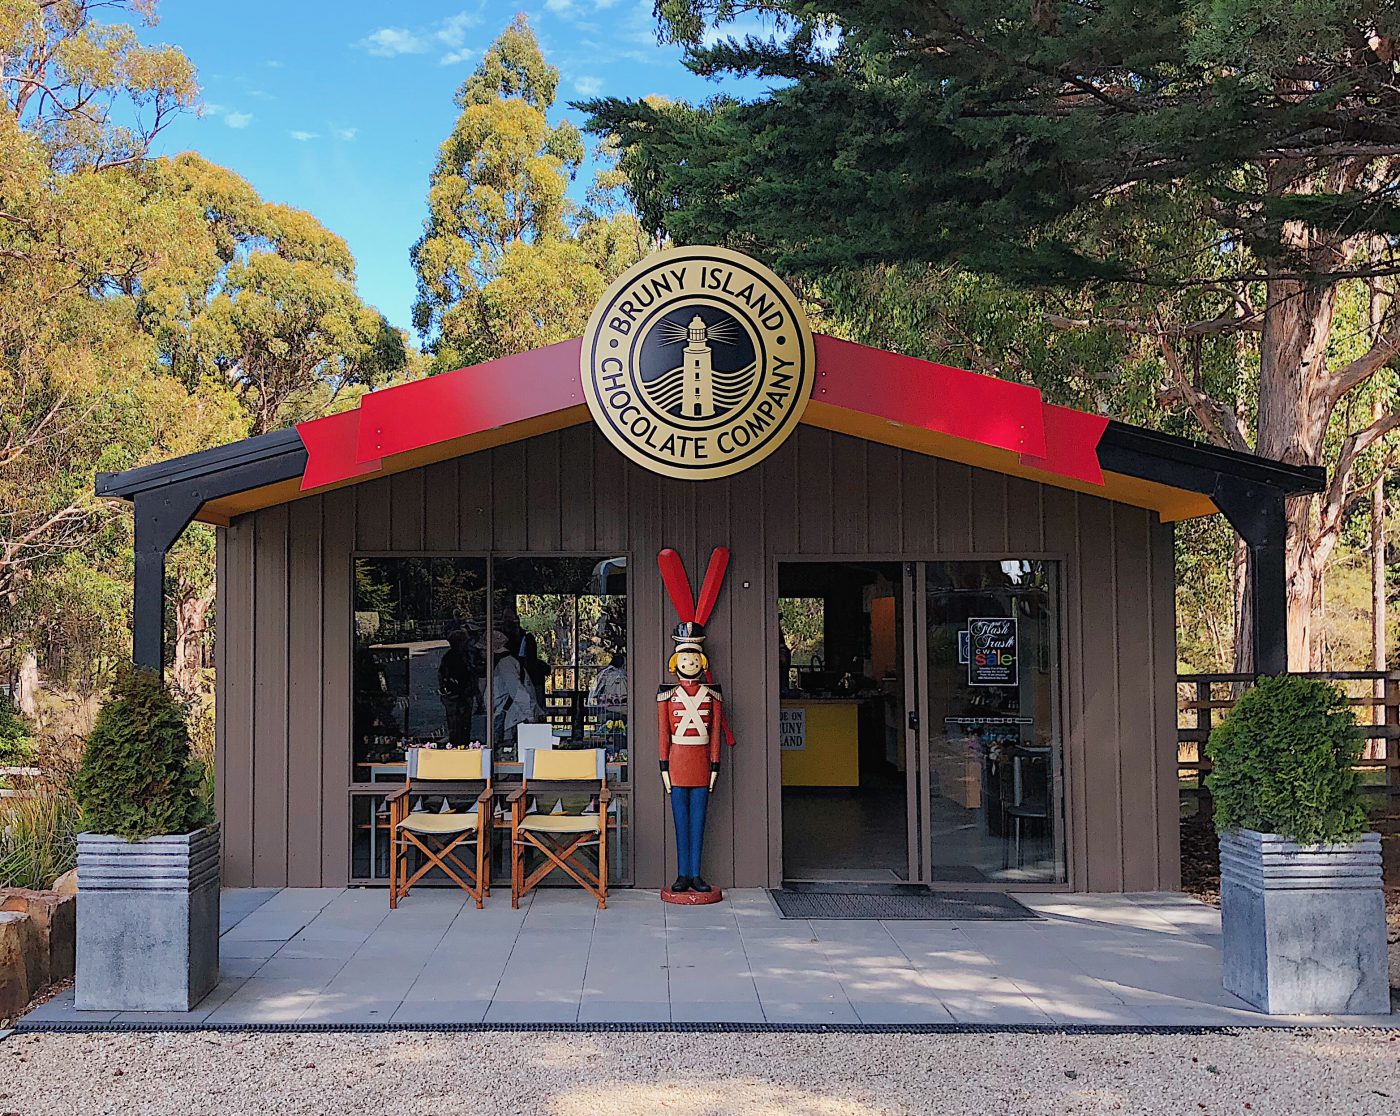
x=563 y=838
x=440 y=837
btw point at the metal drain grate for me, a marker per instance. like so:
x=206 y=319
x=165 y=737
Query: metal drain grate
x=956 y=906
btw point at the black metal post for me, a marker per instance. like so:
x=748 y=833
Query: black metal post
x=161 y=515
x=1257 y=513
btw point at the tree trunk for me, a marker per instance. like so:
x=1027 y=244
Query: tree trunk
x=1378 y=586
x=1244 y=610
x=191 y=615
x=1293 y=414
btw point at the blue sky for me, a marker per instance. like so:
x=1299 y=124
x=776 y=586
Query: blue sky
x=339 y=108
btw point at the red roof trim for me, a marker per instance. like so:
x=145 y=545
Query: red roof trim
x=898 y=389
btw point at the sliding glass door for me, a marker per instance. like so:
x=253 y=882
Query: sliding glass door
x=984 y=738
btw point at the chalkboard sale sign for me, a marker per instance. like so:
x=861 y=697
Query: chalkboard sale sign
x=993 y=652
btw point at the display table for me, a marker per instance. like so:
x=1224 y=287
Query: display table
x=820 y=742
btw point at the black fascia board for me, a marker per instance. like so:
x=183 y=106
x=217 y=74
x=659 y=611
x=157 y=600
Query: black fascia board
x=1167 y=459
x=1130 y=450
x=263 y=459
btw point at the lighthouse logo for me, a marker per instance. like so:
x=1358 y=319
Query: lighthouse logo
x=697 y=363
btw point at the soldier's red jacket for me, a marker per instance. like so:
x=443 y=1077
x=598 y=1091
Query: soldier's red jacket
x=688 y=718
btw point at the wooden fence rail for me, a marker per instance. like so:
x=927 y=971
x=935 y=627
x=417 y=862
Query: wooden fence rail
x=1203 y=700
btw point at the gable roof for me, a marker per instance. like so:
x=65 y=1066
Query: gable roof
x=860 y=391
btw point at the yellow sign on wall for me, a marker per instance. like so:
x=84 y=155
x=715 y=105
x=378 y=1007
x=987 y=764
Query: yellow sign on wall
x=697 y=363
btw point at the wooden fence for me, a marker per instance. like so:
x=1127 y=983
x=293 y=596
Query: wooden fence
x=1204 y=699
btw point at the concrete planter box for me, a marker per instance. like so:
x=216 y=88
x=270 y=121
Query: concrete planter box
x=148 y=921
x=1304 y=925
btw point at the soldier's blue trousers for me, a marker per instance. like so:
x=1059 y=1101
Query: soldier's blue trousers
x=688 y=805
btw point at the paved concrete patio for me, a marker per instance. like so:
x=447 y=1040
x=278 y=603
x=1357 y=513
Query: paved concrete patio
x=341 y=956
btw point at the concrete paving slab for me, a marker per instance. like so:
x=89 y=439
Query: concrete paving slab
x=532 y=1011
x=302 y=898
x=60 y=1009
x=263 y=1001
x=269 y=927
x=233 y=947
x=441 y=1011
x=893 y=1012
x=341 y=956
x=808 y=1011
x=240 y=968
x=716 y=1011
x=593 y=1010
x=310 y=972
x=346 y=1008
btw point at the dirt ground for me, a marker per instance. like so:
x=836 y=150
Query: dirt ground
x=210 y=1074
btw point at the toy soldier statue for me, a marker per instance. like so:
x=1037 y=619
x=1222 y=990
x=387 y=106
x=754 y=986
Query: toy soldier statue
x=690 y=722
x=688 y=717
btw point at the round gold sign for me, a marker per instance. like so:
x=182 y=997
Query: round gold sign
x=697 y=363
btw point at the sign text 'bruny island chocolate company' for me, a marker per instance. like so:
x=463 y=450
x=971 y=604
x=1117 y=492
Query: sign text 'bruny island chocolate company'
x=697 y=363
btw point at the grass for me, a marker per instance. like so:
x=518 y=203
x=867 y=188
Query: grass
x=38 y=837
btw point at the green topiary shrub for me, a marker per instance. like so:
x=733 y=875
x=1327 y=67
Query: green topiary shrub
x=137 y=778
x=1285 y=762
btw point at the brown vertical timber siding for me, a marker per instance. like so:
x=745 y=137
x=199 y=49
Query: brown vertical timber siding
x=272 y=660
x=305 y=738
x=285 y=632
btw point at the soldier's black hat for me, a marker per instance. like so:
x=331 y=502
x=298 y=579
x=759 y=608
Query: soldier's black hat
x=689 y=636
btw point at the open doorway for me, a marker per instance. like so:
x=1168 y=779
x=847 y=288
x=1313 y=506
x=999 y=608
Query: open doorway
x=842 y=722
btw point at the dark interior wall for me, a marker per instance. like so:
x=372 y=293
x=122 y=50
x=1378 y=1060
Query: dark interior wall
x=284 y=631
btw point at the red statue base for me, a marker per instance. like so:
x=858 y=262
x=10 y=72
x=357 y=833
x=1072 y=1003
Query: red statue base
x=692 y=898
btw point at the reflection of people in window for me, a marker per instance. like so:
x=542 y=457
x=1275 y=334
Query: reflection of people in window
x=536 y=669
x=512 y=694
x=457 y=686
x=609 y=689
x=374 y=704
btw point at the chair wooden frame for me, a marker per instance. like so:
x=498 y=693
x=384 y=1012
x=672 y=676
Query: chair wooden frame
x=443 y=854
x=563 y=855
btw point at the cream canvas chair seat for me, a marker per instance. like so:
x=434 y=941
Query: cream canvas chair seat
x=438 y=837
x=560 y=823
x=564 y=839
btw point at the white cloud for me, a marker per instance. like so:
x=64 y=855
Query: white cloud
x=452 y=31
x=302 y=137
x=238 y=119
x=345 y=133
x=274 y=64
x=389 y=42
x=452 y=57
x=211 y=109
x=603 y=5
x=560 y=7
x=588 y=86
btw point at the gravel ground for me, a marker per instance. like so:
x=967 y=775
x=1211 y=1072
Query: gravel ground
x=1268 y=1072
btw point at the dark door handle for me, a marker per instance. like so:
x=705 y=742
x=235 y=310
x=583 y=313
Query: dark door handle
x=914 y=719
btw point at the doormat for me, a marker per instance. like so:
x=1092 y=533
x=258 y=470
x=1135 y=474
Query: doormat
x=954 y=906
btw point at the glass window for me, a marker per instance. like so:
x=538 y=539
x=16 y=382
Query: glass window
x=994 y=762
x=559 y=653
x=419 y=666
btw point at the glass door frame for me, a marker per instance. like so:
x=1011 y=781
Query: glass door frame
x=918 y=723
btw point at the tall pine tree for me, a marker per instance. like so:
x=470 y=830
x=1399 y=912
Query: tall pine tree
x=1224 y=172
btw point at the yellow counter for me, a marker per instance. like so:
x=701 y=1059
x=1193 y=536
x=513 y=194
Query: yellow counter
x=819 y=742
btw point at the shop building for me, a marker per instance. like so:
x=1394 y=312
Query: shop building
x=946 y=638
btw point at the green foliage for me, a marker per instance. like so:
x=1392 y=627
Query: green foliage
x=148 y=308
x=505 y=262
x=1020 y=141
x=1284 y=762
x=38 y=837
x=137 y=777
x=16 y=736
